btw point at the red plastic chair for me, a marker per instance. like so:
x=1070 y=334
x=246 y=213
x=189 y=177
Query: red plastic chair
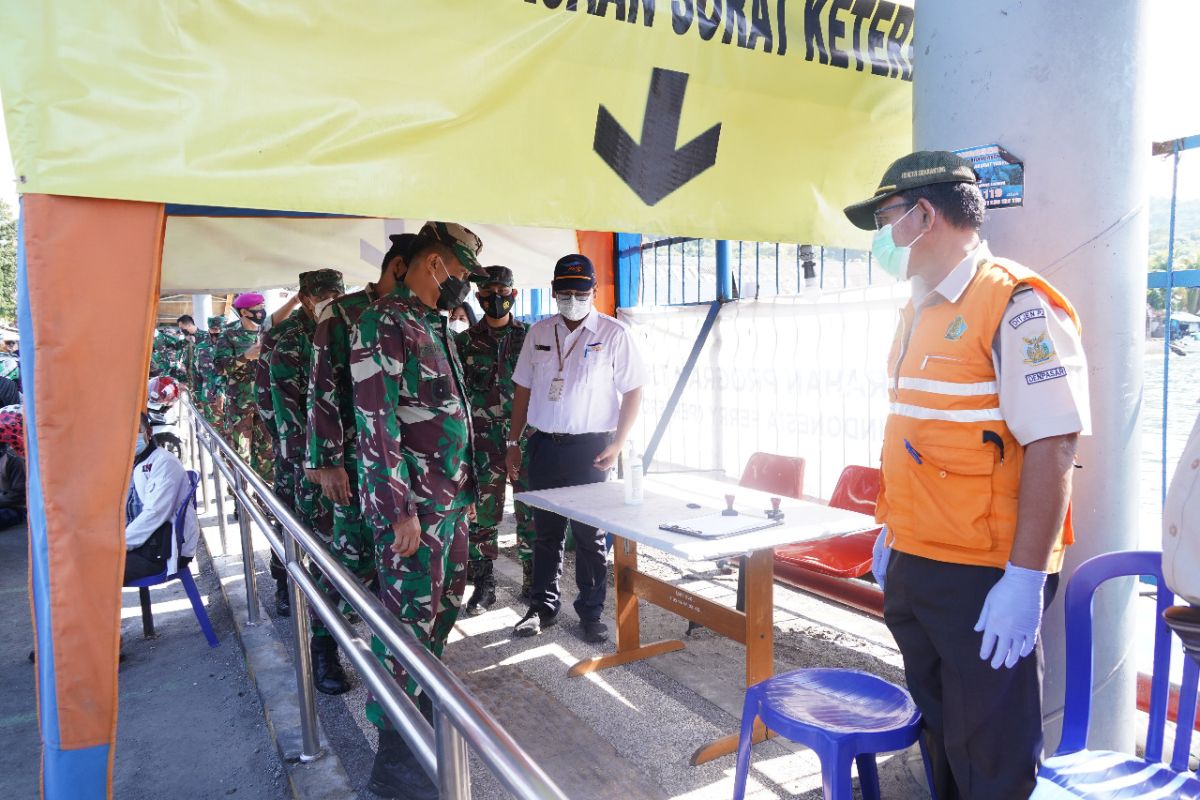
x=779 y=475
x=847 y=556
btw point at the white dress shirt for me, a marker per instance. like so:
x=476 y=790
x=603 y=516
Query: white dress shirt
x=598 y=362
x=1181 y=524
x=1049 y=398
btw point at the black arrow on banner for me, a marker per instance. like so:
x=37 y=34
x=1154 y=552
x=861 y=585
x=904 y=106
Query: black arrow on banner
x=655 y=168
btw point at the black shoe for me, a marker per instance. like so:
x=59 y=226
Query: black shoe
x=535 y=622
x=328 y=675
x=526 y=581
x=594 y=631
x=283 y=598
x=396 y=773
x=483 y=596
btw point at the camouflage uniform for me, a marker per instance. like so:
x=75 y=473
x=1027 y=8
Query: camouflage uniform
x=489 y=356
x=414 y=442
x=331 y=438
x=284 y=484
x=243 y=427
x=164 y=353
x=289 y=376
x=207 y=388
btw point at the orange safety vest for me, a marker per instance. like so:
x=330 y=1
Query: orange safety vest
x=951 y=469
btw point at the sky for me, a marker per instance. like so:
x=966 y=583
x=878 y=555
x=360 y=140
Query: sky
x=1173 y=110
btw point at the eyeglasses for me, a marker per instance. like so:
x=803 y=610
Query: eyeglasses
x=572 y=295
x=879 y=223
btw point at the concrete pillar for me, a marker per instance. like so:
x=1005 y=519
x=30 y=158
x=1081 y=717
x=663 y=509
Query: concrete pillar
x=1060 y=85
x=201 y=309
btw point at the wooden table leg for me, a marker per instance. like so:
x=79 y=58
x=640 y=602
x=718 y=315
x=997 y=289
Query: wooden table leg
x=629 y=632
x=759 y=570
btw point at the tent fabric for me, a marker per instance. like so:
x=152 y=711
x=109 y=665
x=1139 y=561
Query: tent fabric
x=76 y=527
x=231 y=254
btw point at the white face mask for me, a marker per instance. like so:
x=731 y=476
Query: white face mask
x=319 y=308
x=458 y=325
x=573 y=308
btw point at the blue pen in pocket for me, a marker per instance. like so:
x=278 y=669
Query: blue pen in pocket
x=912 y=451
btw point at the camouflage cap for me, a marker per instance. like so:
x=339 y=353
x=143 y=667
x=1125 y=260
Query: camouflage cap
x=216 y=322
x=498 y=274
x=465 y=244
x=321 y=280
x=922 y=168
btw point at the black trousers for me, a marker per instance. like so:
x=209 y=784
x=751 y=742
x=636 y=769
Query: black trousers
x=982 y=726
x=556 y=461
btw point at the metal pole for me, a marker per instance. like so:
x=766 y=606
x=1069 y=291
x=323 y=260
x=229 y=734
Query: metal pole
x=1169 y=293
x=311 y=744
x=196 y=439
x=724 y=274
x=219 y=497
x=1084 y=225
x=454 y=769
x=248 y=559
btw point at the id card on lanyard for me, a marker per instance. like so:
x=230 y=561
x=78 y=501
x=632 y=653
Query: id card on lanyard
x=557 y=384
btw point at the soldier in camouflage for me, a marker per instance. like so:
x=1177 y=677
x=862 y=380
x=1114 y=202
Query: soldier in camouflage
x=284 y=483
x=187 y=332
x=237 y=350
x=416 y=482
x=206 y=389
x=489 y=351
x=288 y=369
x=164 y=353
x=331 y=453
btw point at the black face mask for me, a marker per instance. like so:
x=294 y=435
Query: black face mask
x=497 y=306
x=452 y=292
x=257 y=317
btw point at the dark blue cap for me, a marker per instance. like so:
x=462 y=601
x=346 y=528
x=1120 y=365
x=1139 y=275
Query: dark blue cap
x=574 y=273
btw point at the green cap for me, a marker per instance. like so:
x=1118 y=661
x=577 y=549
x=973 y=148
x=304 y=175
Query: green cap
x=216 y=322
x=498 y=274
x=321 y=280
x=922 y=168
x=465 y=244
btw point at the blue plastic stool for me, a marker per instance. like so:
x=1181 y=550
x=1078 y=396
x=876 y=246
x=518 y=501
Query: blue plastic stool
x=841 y=714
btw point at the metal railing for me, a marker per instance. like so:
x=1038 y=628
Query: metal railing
x=459 y=720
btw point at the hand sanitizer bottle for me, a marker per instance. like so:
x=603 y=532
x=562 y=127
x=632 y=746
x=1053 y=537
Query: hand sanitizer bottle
x=633 y=476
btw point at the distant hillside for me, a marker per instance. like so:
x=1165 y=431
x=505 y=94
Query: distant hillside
x=1187 y=224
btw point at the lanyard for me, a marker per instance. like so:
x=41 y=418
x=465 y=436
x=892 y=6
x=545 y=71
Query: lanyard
x=562 y=360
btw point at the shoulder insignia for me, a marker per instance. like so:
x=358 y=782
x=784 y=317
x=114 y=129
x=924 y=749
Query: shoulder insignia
x=1038 y=349
x=1025 y=316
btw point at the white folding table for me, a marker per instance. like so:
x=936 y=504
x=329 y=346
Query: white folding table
x=674 y=498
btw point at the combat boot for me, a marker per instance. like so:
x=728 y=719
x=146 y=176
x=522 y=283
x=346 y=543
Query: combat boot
x=526 y=581
x=283 y=598
x=483 y=596
x=396 y=773
x=328 y=675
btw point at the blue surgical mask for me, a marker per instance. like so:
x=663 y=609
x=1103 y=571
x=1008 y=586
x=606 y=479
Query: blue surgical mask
x=891 y=257
x=141 y=445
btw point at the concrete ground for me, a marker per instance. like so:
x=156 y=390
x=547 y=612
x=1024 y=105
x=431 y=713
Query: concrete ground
x=190 y=723
x=629 y=732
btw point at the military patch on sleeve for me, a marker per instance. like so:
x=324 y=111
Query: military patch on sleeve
x=427 y=351
x=1025 y=316
x=1045 y=375
x=1038 y=349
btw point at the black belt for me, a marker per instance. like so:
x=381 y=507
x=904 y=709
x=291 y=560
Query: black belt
x=566 y=438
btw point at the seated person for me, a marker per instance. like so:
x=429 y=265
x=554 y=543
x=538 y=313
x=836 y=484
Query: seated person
x=12 y=466
x=158 y=487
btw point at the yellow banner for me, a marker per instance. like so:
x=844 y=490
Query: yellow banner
x=741 y=119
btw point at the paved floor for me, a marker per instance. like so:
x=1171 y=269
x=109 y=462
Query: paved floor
x=190 y=723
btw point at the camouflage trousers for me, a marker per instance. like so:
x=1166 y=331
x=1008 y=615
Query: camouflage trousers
x=489 y=511
x=247 y=434
x=353 y=540
x=316 y=511
x=423 y=590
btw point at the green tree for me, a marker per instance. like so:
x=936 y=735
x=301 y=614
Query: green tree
x=8 y=264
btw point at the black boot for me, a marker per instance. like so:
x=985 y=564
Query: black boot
x=328 y=675
x=483 y=597
x=283 y=598
x=526 y=581
x=396 y=773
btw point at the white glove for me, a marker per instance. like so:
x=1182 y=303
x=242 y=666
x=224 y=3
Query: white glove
x=1012 y=616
